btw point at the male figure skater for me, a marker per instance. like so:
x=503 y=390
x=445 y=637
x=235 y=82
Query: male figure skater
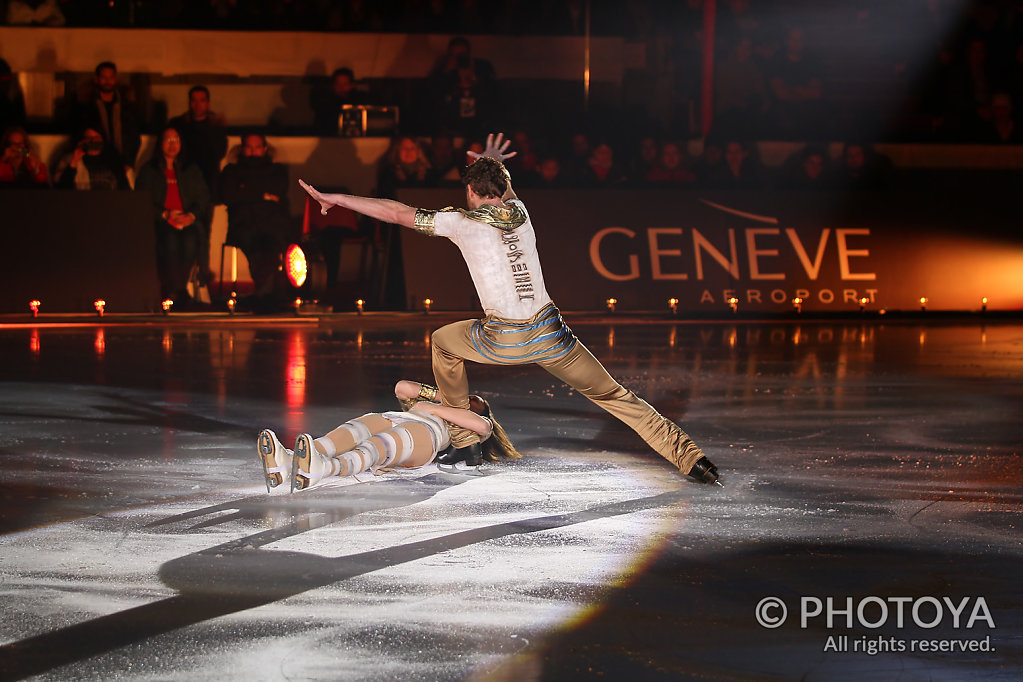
x=522 y=325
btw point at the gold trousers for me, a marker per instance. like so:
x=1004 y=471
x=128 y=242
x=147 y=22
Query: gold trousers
x=546 y=340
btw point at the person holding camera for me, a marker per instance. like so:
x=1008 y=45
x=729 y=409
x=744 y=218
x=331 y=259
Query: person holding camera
x=19 y=165
x=464 y=90
x=92 y=165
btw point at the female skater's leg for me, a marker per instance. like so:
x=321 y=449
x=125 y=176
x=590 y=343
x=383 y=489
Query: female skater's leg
x=405 y=445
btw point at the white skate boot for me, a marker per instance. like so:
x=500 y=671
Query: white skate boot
x=275 y=458
x=309 y=467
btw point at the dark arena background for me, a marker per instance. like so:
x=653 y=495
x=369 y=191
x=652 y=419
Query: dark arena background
x=792 y=227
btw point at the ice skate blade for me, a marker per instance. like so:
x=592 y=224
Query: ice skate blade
x=271 y=457
x=461 y=469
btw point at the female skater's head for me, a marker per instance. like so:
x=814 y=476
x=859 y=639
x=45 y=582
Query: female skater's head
x=487 y=178
x=498 y=446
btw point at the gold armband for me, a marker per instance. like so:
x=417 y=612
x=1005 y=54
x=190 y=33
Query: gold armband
x=426 y=392
x=424 y=221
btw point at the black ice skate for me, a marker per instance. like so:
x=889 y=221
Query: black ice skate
x=460 y=460
x=704 y=471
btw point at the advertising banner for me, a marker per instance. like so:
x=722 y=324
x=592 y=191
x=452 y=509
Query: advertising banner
x=757 y=251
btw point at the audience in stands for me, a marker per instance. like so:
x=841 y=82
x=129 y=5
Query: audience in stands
x=180 y=198
x=327 y=103
x=92 y=165
x=34 y=13
x=549 y=174
x=740 y=168
x=797 y=90
x=998 y=126
x=525 y=162
x=643 y=160
x=255 y=190
x=12 y=100
x=20 y=165
x=601 y=170
x=405 y=165
x=110 y=111
x=204 y=142
x=446 y=162
x=463 y=91
x=806 y=169
x=740 y=91
x=861 y=167
x=577 y=158
x=670 y=170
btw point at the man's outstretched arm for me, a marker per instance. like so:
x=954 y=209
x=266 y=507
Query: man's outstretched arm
x=388 y=210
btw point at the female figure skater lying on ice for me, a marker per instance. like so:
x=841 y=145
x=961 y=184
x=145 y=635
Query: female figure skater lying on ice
x=407 y=439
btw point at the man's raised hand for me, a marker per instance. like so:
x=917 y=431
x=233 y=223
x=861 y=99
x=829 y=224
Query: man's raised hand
x=496 y=148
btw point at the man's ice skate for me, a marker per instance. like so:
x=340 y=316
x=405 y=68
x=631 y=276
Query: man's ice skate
x=309 y=467
x=465 y=460
x=704 y=471
x=275 y=458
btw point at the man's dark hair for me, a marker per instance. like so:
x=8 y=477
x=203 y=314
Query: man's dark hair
x=487 y=177
x=343 y=71
x=106 y=65
x=199 y=88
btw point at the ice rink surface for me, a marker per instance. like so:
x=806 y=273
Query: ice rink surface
x=869 y=526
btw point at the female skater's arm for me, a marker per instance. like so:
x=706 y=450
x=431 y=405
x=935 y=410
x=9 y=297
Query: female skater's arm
x=467 y=419
x=388 y=210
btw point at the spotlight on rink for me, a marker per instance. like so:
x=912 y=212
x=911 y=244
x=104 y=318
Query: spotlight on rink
x=306 y=270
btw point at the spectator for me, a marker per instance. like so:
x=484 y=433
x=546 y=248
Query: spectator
x=405 y=165
x=203 y=134
x=967 y=86
x=12 y=101
x=671 y=169
x=92 y=165
x=645 y=159
x=1001 y=127
x=34 y=13
x=180 y=199
x=255 y=190
x=445 y=162
x=550 y=175
x=862 y=167
x=464 y=89
x=796 y=85
x=712 y=159
x=740 y=169
x=805 y=170
x=204 y=142
x=578 y=158
x=741 y=100
x=113 y=114
x=602 y=171
x=20 y=166
x=327 y=102
x=524 y=164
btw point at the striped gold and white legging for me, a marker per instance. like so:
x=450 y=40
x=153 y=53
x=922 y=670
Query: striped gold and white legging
x=387 y=440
